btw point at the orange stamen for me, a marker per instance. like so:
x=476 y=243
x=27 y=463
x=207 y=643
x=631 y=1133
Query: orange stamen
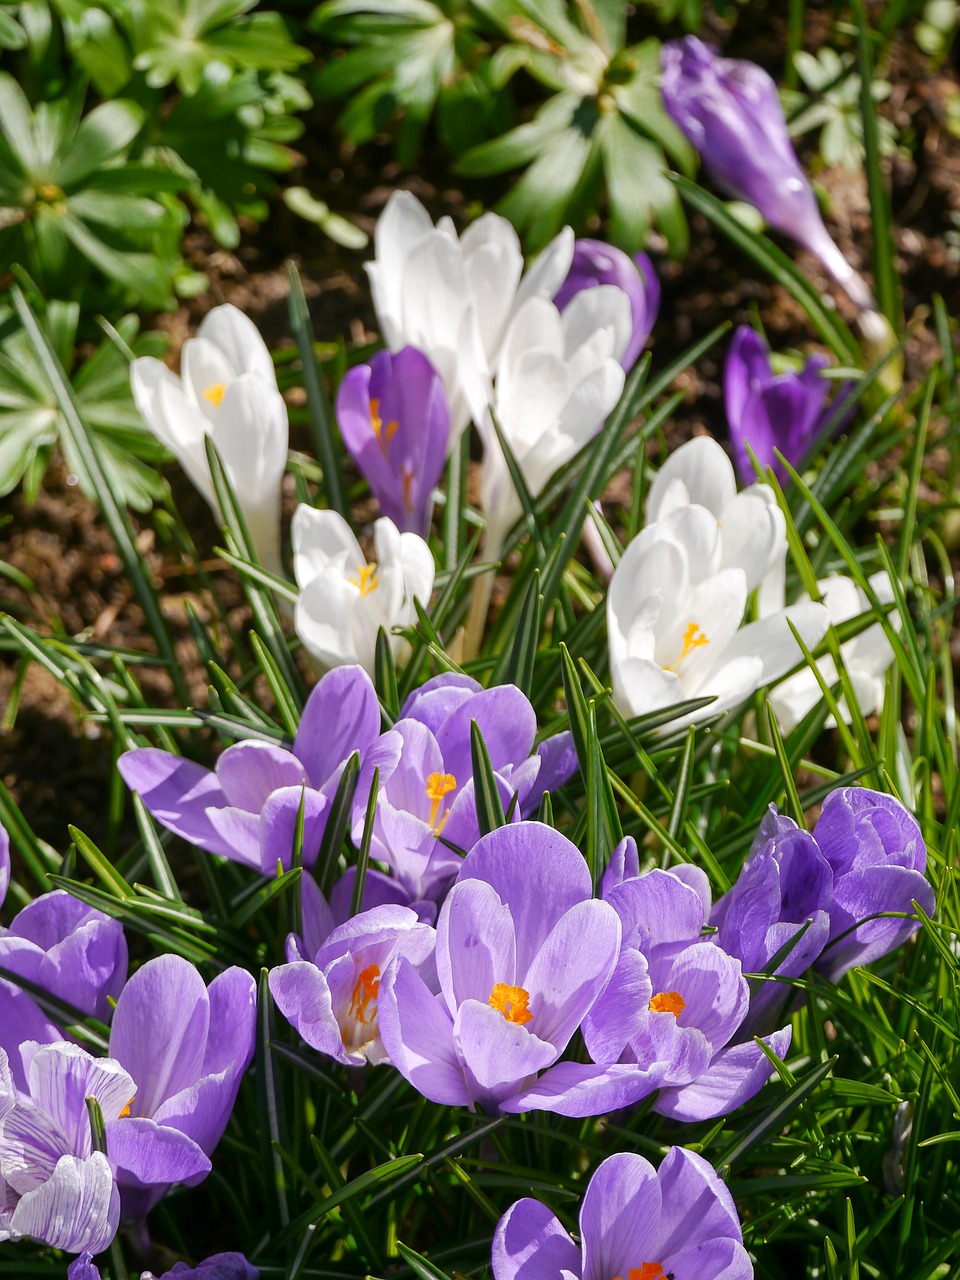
x=365 y=994
x=439 y=785
x=668 y=1002
x=511 y=1002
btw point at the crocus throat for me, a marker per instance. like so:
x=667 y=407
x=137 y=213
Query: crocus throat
x=384 y=435
x=215 y=393
x=668 y=1002
x=363 y=1006
x=439 y=785
x=406 y=477
x=693 y=638
x=511 y=1002
x=366 y=578
x=647 y=1271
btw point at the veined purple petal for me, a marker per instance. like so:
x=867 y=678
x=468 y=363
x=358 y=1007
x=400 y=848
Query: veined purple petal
x=147 y=1154
x=733 y=1077
x=417 y=1032
x=178 y=793
x=531 y=1244
x=221 y=1266
x=582 y=1089
x=341 y=716
x=302 y=994
x=696 y=1204
x=83 y=1268
x=621 y=1209
x=77 y=1209
x=22 y=1020
x=61 y=1076
x=436 y=700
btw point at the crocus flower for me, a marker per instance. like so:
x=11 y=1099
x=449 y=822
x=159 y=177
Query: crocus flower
x=678 y=1001
x=876 y=852
x=332 y=999
x=453 y=298
x=186 y=1047
x=558 y=378
x=344 y=598
x=427 y=786
x=730 y=111
x=53 y=1186
x=595 y=263
x=222 y=1266
x=678 y=1221
x=227 y=390
x=4 y=864
x=781 y=898
x=866 y=657
x=768 y=411
x=394 y=420
x=523 y=951
x=675 y=611
x=247 y=808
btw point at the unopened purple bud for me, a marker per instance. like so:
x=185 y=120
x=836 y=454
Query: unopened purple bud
x=730 y=111
x=768 y=411
x=395 y=422
x=595 y=263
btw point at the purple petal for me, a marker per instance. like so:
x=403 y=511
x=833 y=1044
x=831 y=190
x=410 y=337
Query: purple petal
x=148 y=1154
x=21 y=1020
x=249 y=772
x=624 y=864
x=577 y=1089
x=417 y=1032
x=302 y=995
x=436 y=700
x=621 y=1012
x=714 y=990
x=221 y=1266
x=558 y=764
x=621 y=1207
x=861 y=894
x=507 y=722
x=160 y=1029
x=278 y=827
x=476 y=946
x=4 y=864
x=77 y=1209
x=341 y=716
x=733 y=1077
x=858 y=827
x=722 y=1259
x=530 y=1244
x=571 y=969
x=697 y=1206
x=538 y=873
x=657 y=909
x=63 y=1075
x=238 y=831
x=178 y=793
x=83 y=1268
x=499 y=1054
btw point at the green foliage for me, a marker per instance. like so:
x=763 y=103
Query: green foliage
x=833 y=106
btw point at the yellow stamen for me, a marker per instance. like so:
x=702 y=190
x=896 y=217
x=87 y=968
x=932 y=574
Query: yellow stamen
x=439 y=785
x=366 y=578
x=126 y=1110
x=511 y=1002
x=383 y=436
x=693 y=638
x=365 y=994
x=646 y=1271
x=215 y=393
x=668 y=1002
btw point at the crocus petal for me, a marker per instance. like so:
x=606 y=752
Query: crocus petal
x=499 y=1054
x=249 y=771
x=438 y=698
x=63 y=1075
x=621 y=1206
x=714 y=1260
x=732 y=1078
x=531 y=1244
x=21 y=1019
x=341 y=716
x=417 y=1032
x=151 y=1154
x=581 y=1089
x=860 y=894
x=697 y=1206
x=178 y=793
x=302 y=995
x=4 y=864
x=278 y=827
x=476 y=947
x=228 y=328
x=77 y=1209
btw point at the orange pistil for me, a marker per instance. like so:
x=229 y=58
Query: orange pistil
x=406 y=476
x=126 y=1110
x=511 y=1002
x=668 y=1002
x=364 y=1002
x=215 y=393
x=366 y=578
x=383 y=436
x=439 y=785
x=646 y=1271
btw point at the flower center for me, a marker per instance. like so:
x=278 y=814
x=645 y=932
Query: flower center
x=668 y=1002
x=511 y=1002
x=126 y=1110
x=363 y=1006
x=693 y=638
x=647 y=1271
x=439 y=785
x=366 y=578
x=215 y=393
x=384 y=435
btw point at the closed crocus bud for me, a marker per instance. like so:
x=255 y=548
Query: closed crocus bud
x=771 y=412
x=596 y=263
x=344 y=598
x=730 y=111
x=875 y=848
x=394 y=420
x=227 y=390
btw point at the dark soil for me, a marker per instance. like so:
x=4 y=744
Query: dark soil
x=54 y=764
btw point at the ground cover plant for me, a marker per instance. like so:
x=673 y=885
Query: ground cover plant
x=516 y=832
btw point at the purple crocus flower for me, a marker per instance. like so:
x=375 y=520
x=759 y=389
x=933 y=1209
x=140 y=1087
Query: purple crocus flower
x=53 y=1186
x=426 y=776
x=878 y=858
x=395 y=422
x=781 y=898
x=768 y=411
x=730 y=111
x=222 y=1266
x=247 y=808
x=332 y=999
x=523 y=951
x=636 y=1222
x=597 y=264
x=677 y=1001
x=186 y=1047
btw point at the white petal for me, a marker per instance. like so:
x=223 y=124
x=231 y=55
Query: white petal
x=402 y=225
x=602 y=307
x=695 y=629
x=77 y=1209
x=419 y=568
x=754 y=534
x=652 y=570
x=206 y=373
x=494 y=261
x=324 y=618
x=696 y=530
x=641 y=686
x=705 y=472
x=551 y=268
x=240 y=341
x=771 y=640
x=535 y=326
x=173 y=419
x=322 y=539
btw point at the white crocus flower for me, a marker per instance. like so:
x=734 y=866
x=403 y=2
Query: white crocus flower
x=344 y=599
x=228 y=390
x=866 y=657
x=754 y=530
x=453 y=298
x=559 y=377
x=674 y=617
